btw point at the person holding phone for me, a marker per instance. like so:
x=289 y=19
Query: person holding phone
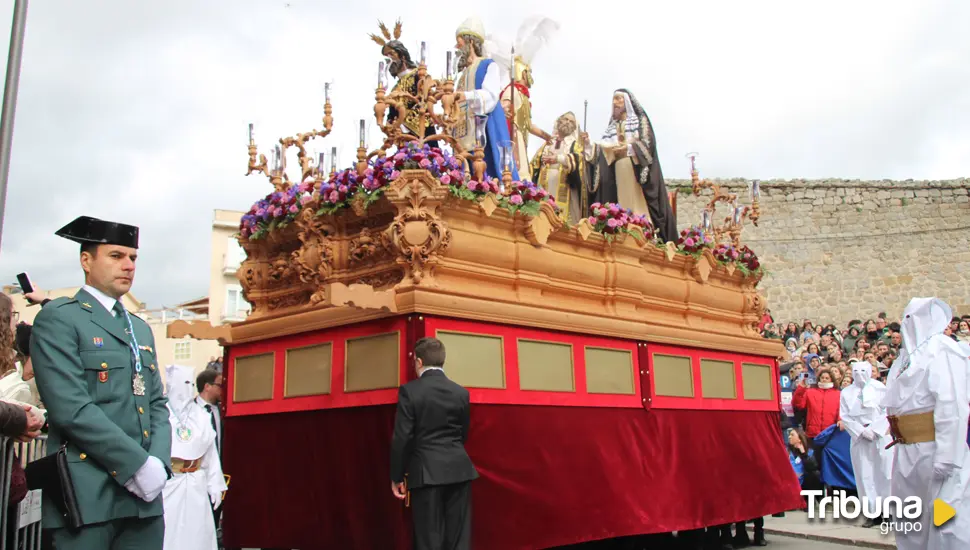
x=97 y=372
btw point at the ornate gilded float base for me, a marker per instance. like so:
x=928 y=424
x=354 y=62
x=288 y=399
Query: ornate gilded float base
x=433 y=253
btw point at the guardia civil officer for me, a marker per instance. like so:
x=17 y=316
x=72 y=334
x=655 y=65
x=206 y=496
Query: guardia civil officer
x=98 y=374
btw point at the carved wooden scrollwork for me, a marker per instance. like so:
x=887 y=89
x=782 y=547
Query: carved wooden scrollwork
x=367 y=247
x=418 y=234
x=313 y=261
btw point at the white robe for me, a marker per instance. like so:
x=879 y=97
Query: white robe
x=189 y=498
x=930 y=375
x=860 y=408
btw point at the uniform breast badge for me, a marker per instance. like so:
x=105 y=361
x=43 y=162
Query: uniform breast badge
x=103 y=376
x=183 y=433
x=98 y=342
x=138 y=384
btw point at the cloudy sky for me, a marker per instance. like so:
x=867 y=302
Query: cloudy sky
x=137 y=111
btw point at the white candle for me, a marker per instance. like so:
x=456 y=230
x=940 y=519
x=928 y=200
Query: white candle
x=362 y=131
x=448 y=65
x=755 y=189
x=326 y=92
x=380 y=74
x=251 y=139
x=424 y=51
x=333 y=159
x=321 y=162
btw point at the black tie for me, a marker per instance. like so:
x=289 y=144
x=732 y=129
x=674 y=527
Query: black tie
x=212 y=417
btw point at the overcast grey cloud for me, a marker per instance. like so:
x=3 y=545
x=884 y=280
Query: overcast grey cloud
x=137 y=111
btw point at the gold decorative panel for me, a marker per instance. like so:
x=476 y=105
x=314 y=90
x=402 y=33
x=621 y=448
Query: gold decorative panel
x=673 y=376
x=545 y=366
x=372 y=362
x=757 y=381
x=609 y=371
x=252 y=378
x=717 y=379
x=308 y=370
x=474 y=360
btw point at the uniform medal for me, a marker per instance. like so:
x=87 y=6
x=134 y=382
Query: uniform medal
x=138 y=384
x=183 y=433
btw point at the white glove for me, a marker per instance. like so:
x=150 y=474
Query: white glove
x=216 y=500
x=943 y=471
x=868 y=434
x=149 y=480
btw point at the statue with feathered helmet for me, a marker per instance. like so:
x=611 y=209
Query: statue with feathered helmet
x=516 y=58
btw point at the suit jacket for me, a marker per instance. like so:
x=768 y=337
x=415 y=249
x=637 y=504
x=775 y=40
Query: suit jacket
x=84 y=368
x=430 y=431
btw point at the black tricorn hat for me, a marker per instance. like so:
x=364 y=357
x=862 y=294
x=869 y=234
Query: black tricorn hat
x=88 y=230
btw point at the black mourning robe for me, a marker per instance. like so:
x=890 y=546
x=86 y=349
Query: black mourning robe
x=652 y=183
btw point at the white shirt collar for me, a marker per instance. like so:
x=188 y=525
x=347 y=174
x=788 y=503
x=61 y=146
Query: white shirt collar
x=427 y=369
x=107 y=301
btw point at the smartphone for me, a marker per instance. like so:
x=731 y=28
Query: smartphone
x=24 y=280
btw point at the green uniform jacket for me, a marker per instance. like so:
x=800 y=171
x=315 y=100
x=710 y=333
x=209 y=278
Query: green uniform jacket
x=84 y=368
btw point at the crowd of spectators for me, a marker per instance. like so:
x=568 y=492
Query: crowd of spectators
x=818 y=362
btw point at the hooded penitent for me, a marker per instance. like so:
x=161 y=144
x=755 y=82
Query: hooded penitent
x=927 y=393
x=197 y=483
x=860 y=408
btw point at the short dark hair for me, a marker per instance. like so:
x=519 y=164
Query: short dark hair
x=207 y=376
x=430 y=351
x=90 y=248
x=22 y=339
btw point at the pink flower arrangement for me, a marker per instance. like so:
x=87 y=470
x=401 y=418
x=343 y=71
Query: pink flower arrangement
x=726 y=253
x=525 y=197
x=693 y=240
x=611 y=219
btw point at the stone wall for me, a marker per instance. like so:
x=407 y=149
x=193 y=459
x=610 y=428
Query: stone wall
x=838 y=250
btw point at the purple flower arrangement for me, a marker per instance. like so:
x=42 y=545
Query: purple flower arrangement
x=412 y=156
x=337 y=192
x=275 y=211
x=693 y=240
x=611 y=219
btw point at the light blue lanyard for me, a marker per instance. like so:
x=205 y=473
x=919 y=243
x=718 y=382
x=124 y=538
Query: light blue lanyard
x=133 y=342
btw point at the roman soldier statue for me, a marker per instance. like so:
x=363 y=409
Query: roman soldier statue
x=516 y=97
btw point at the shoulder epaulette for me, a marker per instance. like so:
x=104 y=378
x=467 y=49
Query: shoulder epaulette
x=63 y=300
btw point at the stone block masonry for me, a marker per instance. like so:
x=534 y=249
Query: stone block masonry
x=838 y=250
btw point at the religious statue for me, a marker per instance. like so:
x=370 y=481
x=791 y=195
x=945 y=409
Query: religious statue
x=562 y=167
x=517 y=60
x=400 y=66
x=627 y=169
x=479 y=86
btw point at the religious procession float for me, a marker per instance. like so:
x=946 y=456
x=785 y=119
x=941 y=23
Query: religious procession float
x=618 y=380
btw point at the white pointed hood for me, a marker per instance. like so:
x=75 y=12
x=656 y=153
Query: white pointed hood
x=179 y=386
x=923 y=319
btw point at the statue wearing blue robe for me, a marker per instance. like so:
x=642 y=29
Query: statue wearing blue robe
x=481 y=83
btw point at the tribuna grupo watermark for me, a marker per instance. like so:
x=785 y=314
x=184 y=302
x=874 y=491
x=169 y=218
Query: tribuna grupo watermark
x=897 y=515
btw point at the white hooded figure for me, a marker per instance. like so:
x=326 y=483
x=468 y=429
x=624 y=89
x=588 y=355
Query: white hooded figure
x=930 y=377
x=862 y=414
x=197 y=484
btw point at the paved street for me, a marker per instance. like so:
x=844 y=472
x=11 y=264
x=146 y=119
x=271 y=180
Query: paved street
x=777 y=542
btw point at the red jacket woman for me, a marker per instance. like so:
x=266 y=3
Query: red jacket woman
x=821 y=404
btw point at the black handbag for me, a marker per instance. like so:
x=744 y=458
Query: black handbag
x=52 y=476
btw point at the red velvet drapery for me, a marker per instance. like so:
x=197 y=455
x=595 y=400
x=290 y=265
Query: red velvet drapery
x=549 y=475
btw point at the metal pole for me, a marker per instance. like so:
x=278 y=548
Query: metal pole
x=10 y=98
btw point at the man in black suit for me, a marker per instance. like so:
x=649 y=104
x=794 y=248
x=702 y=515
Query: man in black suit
x=430 y=431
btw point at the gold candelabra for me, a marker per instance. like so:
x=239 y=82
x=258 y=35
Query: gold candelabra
x=733 y=225
x=277 y=173
x=420 y=106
